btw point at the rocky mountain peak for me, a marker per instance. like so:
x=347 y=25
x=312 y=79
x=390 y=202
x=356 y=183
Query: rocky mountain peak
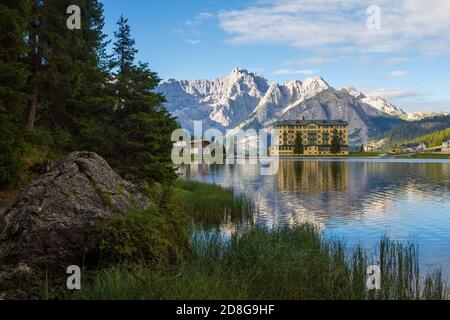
x=354 y=92
x=315 y=82
x=220 y=103
x=380 y=103
x=242 y=99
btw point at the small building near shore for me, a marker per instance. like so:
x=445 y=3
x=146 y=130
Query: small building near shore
x=414 y=147
x=446 y=147
x=196 y=146
x=200 y=147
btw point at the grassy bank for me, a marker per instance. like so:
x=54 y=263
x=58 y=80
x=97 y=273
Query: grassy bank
x=364 y=154
x=210 y=205
x=185 y=255
x=424 y=156
x=402 y=156
x=285 y=263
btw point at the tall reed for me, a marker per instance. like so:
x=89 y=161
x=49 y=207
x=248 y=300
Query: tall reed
x=212 y=205
x=282 y=263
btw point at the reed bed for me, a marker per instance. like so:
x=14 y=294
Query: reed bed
x=282 y=263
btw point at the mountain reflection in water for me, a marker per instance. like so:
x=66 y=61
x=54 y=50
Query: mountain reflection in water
x=353 y=199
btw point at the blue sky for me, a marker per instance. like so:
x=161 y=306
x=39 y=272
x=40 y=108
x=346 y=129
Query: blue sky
x=403 y=53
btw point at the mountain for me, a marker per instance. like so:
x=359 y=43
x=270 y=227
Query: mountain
x=435 y=139
x=219 y=103
x=379 y=103
x=364 y=120
x=415 y=116
x=414 y=129
x=243 y=100
x=279 y=99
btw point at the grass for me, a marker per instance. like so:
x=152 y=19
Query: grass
x=283 y=263
x=211 y=205
x=402 y=156
x=426 y=156
x=364 y=154
x=250 y=262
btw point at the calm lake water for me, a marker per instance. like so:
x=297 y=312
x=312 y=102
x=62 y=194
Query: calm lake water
x=357 y=200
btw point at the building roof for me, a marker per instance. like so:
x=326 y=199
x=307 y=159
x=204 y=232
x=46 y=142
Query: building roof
x=198 y=141
x=413 y=145
x=306 y=122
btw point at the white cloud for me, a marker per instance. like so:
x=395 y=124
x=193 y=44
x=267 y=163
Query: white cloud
x=293 y=71
x=394 y=93
x=429 y=105
x=397 y=74
x=192 y=27
x=317 y=60
x=340 y=25
x=199 y=19
x=397 y=60
x=411 y=99
x=193 y=41
x=204 y=16
x=177 y=31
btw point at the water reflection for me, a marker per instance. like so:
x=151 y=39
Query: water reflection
x=355 y=199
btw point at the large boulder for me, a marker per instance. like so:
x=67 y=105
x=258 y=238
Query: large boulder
x=49 y=225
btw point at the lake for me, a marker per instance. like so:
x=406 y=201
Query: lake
x=357 y=200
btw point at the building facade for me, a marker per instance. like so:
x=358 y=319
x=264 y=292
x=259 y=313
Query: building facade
x=316 y=137
x=414 y=147
x=446 y=147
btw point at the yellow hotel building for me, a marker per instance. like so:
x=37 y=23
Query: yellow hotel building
x=316 y=137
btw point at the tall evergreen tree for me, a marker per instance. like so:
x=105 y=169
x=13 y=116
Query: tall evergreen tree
x=335 y=143
x=298 y=147
x=63 y=80
x=35 y=60
x=64 y=63
x=144 y=126
x=13 y=76
x=124 y=47
x=90 y=111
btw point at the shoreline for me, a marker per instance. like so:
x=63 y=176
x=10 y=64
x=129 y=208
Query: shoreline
x=375 y=156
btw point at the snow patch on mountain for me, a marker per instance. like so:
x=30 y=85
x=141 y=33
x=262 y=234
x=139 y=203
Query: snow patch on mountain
x=378 y=103
x=223 y=102
x=416 y=116
x=243 y=99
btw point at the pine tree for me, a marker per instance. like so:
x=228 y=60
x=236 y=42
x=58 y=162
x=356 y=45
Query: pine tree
x=64 y=63
x=34 y=59
x=90 y=111
x=335 y=143
x=144 y=126
x=64 y=82
x=124 y=47
x=13 y=76
x=298 y=148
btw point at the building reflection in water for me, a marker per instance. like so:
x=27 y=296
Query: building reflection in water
x=313 y=176
x=356 y=199
x=333 y=192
